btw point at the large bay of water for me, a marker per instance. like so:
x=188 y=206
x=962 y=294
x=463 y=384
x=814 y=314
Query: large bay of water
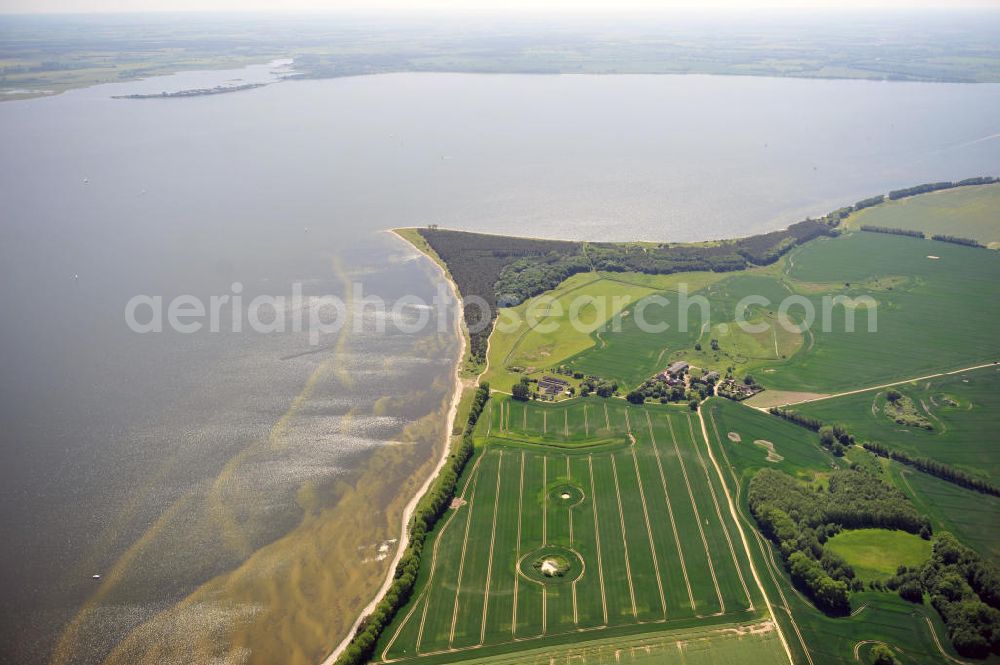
x=163 y=462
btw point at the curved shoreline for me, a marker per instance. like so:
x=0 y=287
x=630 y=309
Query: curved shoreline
x=404 y=538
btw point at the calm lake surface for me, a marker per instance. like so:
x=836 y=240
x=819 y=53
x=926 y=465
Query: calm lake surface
x=164 y=461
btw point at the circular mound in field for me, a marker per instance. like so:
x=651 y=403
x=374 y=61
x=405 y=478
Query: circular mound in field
x=565 y=495
x=552 y=564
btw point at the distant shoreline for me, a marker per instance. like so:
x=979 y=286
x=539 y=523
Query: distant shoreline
x=195 y=92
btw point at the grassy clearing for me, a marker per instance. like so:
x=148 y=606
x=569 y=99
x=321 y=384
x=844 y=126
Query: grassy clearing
x=969 y=212
x=876 y=553
x=626 y=489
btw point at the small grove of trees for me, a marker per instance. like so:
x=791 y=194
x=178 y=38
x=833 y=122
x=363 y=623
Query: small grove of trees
x=800 y=520
x=431 y=508
x=600 y=387
x=836 y=438
x=657 y=389
x=869 y=202
x=891 y=231
x=934 y=468
x=883 y=655
x=965 y=590
x=799 y=419
x=521 y=390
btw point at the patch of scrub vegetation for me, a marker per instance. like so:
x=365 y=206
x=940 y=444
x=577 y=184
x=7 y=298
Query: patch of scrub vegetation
x=901 y=410
x=876 y=554
x=552 y=565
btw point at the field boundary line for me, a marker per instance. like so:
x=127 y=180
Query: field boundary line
x=607 y=418
x=524 y=418
x=461 y=563
x=517 y=557
x=670 y=513
x=586 y=423
x=597 y=537
x=489 y=565
x=887 y=385
x=569 y=514
x=621 y=517
x=545 y=500
x=718 y=510
x=645 y=514
x=697 y=517
x=746 y=546
x=569 y=510
x=566 y=423
x=545 y=422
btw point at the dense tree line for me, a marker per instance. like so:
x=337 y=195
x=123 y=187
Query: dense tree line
x=936 y=186
x=934 y=468
x=431 y=508
x=869 y=202
x=897 y=194
x=799 y=519
x=957 y=240
x=892 y=231
x=799 y=419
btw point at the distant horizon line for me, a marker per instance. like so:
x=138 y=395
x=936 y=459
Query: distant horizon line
x=584 y=12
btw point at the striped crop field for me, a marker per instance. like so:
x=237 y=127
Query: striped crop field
x=583 y=521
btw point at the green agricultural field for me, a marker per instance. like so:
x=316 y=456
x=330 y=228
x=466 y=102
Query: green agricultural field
x=969 y=515
x=738 y=427
x=929 y=319
x=634 y=508
x=962 y=409
x=931 y=316
x=632 y=354
x=876 y=553
x=968 y=212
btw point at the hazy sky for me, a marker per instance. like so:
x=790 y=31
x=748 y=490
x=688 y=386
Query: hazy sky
x=18 y=6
